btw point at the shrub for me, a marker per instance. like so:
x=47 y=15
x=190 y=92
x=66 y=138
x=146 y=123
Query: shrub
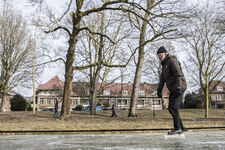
x=78 y=108
x=98 y=104
x=18 y=103
x=220 y=106
x=193 y=104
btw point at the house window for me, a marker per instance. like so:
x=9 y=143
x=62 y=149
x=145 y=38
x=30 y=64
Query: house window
x=74 y=102
x=86 y=102
x=219 y=88
x=219 y=98
x=49 y=92
x=41 y=100
x=106 y=92
x=146 y=102
x=141 y=92
x=125 y=102
x=141 y=102
x=124 y=92
x=156 y=102
x=55 y=99
x=48 y=101
x=54 y=92
x=87 y=92
x=112 y=101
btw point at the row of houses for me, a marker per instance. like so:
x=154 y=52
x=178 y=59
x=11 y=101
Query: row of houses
x=110 y=94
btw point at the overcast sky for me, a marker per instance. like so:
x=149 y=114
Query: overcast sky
x=51 y=72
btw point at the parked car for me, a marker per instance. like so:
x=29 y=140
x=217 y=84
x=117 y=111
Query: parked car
x=87 y=108
x=98 y=108
x=45 y=110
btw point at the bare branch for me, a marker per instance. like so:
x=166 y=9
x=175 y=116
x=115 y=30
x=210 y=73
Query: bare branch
x=51 y=61
x=86 y=28
x=60 y=27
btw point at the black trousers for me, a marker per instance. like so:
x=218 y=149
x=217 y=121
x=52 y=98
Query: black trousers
x=174 y=103
x=114 y=113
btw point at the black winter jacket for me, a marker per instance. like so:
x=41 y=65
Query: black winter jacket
x=172 y=74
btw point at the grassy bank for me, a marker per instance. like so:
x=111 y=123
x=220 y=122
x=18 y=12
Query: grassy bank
x=16 y=121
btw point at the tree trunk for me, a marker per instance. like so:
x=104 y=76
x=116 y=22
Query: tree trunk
x=163 y=102
x=206 y=100
x=65 y=112
x=97 y=73
x=4 y=93
x=135 y=91
x=121 y=102
x=94 y=95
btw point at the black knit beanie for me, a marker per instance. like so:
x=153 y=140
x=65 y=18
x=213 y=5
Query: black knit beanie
x=161 y=50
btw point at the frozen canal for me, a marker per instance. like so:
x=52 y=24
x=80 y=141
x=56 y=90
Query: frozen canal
x=193 y=140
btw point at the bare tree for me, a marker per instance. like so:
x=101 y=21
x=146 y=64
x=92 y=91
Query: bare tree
x=204 y=46
x=16 y=47
x=81 y=10
x=160 y=23
x=3 y=12
x=88 y=51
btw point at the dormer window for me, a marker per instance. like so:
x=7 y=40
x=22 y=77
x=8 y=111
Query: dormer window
x=49 y=92
x=141 y=92
x=219 y=88
x=124 y=92
x=106 y=92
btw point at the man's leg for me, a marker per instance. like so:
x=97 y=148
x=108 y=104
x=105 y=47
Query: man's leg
x=57 y=112
x=174 y=106
x=54 y=113
x=174 y=103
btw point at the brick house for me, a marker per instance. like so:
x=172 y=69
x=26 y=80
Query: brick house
x=48 y=93
x=7 y=102
x=217 y=94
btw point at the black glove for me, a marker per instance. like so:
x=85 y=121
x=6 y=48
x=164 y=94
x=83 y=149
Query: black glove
x=177 y=92
x=159 y=93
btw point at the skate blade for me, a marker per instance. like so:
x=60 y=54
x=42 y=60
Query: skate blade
x=178 y=136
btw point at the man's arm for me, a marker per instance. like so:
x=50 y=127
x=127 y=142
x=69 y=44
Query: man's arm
x=161 y=82
x=177 y=72
x=160 y=86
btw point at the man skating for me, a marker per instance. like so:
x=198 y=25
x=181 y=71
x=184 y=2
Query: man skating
x=173 y=76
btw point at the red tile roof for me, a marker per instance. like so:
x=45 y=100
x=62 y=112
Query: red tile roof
x=115 y=88
x=52 y=84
